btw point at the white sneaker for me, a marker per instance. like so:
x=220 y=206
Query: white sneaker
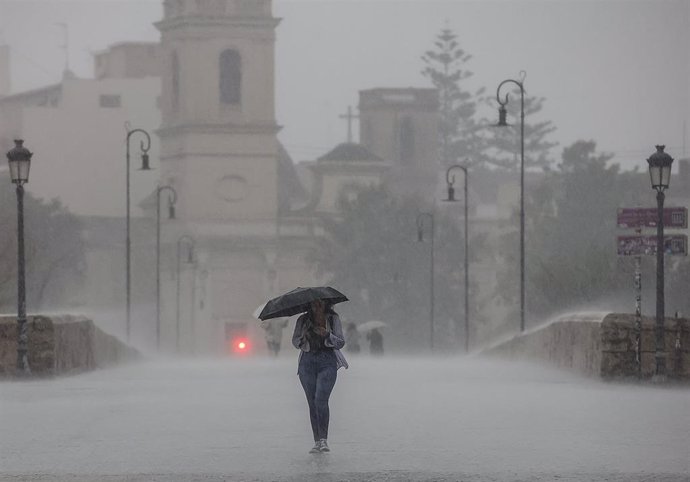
x=324 y=445
x=316 y=448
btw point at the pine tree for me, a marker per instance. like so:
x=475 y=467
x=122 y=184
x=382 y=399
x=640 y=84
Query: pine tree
x=445 y=66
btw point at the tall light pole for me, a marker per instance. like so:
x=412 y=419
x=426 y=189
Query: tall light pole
x=145 y=146
x=450 y=181
x=420 y=238
x=171 y=215
x=660 y=176
x=190 y=259
x=19 y=159
x=502 y=113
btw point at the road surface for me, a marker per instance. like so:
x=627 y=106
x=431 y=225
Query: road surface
x=392 y=419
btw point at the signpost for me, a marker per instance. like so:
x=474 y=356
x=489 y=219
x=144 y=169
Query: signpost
x=638 y=245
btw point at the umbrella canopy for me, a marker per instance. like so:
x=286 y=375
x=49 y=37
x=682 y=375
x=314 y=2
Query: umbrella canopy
x=298 y=300
x=371 y=325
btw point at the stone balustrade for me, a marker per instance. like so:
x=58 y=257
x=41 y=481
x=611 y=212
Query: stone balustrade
x=605 y=347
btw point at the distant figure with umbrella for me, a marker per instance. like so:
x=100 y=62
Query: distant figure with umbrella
x=375 y=342
x=352 y=338
x=319 y=337
x=374 y=336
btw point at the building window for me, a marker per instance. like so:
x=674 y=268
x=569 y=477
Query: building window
x=110 y=101
x=175 y=94
x=230 y=77
x=406 y=141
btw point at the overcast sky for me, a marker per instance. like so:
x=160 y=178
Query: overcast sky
x=616 y=72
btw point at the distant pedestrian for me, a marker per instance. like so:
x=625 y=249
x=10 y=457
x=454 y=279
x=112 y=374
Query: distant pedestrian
x=375 y=342
x=273 y=332
x=319 y=337
x=352 y=338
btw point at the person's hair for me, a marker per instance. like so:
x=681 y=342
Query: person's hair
x=328 y=309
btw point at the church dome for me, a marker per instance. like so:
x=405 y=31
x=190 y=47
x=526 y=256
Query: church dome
x=349 y=151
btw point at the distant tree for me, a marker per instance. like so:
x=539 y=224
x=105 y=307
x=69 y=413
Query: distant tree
x=54 y=250
x=571 y=260
x=445 y=66
x=502 y=145
x=371 y=251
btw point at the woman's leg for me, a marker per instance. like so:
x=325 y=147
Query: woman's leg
x=307 y=377
x=325 y=381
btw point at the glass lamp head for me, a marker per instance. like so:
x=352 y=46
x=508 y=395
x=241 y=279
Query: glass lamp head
x=19 y=159
x=660 y=169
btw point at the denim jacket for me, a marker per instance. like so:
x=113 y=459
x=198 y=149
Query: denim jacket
x=334 y=339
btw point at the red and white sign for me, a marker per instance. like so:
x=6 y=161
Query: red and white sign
x=676 y=244
x=674 y=218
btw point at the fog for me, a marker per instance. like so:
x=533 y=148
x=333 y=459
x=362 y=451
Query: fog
x=391 y=419
x=613 y=71
x=253 y=192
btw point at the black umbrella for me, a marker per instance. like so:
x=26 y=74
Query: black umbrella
x=298 y=300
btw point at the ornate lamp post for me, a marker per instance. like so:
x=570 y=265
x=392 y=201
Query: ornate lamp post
x=450 y=180
x=420 y=238
x=172 y=199
x=184 y=239
x=660 y=176
x=502 y=112
x=19 y=159
x=145 y=146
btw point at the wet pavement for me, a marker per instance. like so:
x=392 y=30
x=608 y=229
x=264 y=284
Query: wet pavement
x=392 y=419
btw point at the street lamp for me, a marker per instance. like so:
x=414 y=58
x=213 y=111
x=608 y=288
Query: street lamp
x=172 y=199
x=450 y=180
x=420 y=238
x=145 y=146
x=502 y=112
x=660 y=176
x=19 y=159
x=184 y=239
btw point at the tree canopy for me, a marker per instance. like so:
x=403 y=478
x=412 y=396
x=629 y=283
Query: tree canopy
x=502 y=144
x=371 y=251
x=571 y=230
x=55 y=258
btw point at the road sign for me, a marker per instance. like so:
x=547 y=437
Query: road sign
x=674 y=217
x=676 y=244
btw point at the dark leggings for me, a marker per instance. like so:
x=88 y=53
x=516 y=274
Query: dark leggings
x=317 y=373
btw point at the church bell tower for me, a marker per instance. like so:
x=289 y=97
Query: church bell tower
x=218 y=135
x=220 y=152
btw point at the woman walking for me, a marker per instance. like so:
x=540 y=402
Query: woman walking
x=319 y=337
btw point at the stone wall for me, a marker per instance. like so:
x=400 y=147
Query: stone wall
x=605 y=348
x=60 y=344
